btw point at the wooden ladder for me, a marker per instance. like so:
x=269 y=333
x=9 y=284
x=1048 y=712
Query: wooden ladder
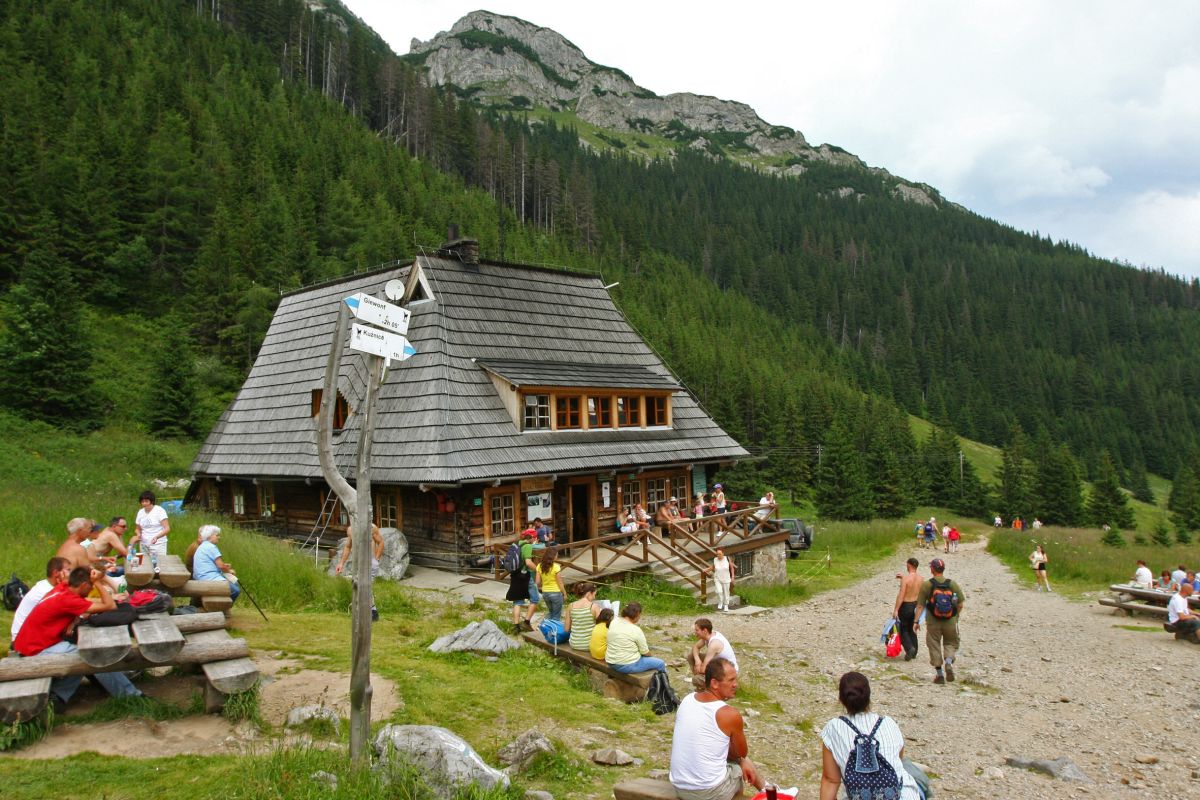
x=322 y=525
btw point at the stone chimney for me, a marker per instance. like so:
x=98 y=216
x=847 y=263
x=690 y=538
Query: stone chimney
x=460 y=247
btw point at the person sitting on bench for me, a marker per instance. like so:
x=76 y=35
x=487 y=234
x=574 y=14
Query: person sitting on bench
x=709 y=758
x=627 y=646
x=1180 y=617
x=53 y=619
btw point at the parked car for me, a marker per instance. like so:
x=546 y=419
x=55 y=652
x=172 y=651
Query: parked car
x=800 y=536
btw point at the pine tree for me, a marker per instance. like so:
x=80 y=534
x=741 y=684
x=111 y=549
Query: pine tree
x=1015 y=491
x=1139 y=483
x=44 y=353
x=1107 y=504
x=1184 y=499
x=1162 y=533
x=1059 y=495
x=843 y=491
x=1113 y=538
x=171 y=406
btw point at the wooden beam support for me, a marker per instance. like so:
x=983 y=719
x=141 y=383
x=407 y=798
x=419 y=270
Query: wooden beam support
x=21 y=701
x=57 y=666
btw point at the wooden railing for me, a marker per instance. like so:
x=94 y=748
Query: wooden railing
x=600 y=554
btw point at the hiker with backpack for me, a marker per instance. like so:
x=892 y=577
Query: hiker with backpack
x=943 y=599
x=518 y=560
x=863 y=751
x=709 y=758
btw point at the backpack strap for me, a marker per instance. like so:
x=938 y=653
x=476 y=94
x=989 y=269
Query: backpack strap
x=846 y=720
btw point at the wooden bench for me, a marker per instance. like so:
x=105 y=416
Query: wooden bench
x=628 y=687
x=644 y=789
x=1156 y=596
x=172 y=572
x=174 y=578
x=1130 y=607
x=158 y=640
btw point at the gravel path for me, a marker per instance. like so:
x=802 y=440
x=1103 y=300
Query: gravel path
x=1038 y=677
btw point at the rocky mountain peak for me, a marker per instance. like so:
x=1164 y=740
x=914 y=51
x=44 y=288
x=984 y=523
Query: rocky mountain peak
x=503 y=61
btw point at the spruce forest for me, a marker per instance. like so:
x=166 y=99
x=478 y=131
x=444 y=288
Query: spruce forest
x=171 y=167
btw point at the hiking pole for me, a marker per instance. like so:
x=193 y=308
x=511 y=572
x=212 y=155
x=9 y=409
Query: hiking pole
x=252 y=600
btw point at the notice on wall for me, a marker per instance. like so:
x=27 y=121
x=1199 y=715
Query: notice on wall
x=537 y=505
x=698 y=477
x=606 y=494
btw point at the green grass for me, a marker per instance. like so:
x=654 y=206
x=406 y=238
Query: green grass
x=1079 y=562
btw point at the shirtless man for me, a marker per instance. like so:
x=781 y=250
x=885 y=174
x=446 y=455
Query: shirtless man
x=377 y=545
x=78 y=530
x=906 y=607
x=111 y=540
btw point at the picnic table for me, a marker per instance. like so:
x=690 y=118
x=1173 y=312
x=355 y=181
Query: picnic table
x=174 y=578
x=1134 y=599
x=156 y=640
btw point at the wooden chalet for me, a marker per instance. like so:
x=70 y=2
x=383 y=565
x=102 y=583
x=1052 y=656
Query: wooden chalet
x=530 y=396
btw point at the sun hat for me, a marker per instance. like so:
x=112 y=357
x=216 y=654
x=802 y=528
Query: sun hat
x=673 y=500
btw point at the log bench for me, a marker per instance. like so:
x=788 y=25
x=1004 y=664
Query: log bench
x=1130 y=607
x=174 y=578
x=155 y=641
x=644 y=789
x=628 y=687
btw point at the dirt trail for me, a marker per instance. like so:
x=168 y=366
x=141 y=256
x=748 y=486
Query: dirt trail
x=1039 y=677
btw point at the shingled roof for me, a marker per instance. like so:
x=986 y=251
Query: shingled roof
x=441 y=419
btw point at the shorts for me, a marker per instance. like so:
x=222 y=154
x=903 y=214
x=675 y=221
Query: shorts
x=1041 y=567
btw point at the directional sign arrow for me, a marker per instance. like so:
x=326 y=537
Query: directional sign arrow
x=376 y=312
x=380 y=343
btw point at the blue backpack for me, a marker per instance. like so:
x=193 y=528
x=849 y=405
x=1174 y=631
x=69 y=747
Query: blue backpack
x=553 y=631
x=867 y=776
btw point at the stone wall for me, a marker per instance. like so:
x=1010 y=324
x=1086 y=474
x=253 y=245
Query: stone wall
x=770 y=567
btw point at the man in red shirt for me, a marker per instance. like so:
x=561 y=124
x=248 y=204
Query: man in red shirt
x=54 y=618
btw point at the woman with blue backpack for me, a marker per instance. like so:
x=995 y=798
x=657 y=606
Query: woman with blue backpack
x=863 y=751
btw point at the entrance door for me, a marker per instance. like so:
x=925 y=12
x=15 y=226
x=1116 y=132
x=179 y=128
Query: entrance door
x=580 y=512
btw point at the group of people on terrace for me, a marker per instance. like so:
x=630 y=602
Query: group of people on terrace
x=633 y=518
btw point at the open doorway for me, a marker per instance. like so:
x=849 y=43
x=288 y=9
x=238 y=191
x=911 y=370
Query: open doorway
x=580 y=512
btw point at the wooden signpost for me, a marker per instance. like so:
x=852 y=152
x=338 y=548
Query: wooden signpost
x=379 y=347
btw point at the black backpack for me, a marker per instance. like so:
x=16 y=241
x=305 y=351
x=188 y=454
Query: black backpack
x=14 y=592
x=660 y=695
x=867 y=776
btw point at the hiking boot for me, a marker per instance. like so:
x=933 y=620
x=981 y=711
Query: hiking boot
x=949 y=672
x=517 y=629
x=526 y=625
x=938 y=678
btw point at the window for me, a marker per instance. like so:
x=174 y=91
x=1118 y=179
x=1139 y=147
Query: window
x=341 y=409
x=679 y=489
x=239 y=501
x=502 y=519
x=387 y=508
x=631 y=493
x=266 y=499
x=743 y=564
x=599 y=412
x=656 y=493
x=537 y=412
x=566 y=412
x=656 y=411
x=629 y=411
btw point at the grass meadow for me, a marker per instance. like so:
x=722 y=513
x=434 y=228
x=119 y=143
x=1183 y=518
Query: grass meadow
x=1080 y=563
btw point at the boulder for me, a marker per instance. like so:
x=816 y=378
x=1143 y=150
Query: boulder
x=327 y=778
x=393 y=565
x=524 y=749
x=1061 y=768
x=445 y=761
x=302 y=714
x=612 y=757
x=478 y=637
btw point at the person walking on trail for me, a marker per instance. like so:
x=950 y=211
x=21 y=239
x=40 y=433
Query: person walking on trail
x=1038 y=560
x=946 y=537
x=905 y=609
x=943 y=599
x=722 y=571
x=520 y=582
x=709 y=754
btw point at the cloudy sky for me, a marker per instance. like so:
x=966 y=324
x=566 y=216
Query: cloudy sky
x=1079 y=120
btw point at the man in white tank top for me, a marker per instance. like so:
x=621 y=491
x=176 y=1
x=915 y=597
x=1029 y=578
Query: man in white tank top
x=709 y=645
x=709 y=758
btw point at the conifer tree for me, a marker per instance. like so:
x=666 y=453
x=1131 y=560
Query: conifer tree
x=1162 y=533
x=44 y=353
x=1107 y=504
x=1059 y=495
x=1139 y=483
x=1015 y=492
x=843 y=490
x=1184 y=499
x=171 y=406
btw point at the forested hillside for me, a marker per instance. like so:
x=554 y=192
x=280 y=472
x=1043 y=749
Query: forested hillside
x=169 y=172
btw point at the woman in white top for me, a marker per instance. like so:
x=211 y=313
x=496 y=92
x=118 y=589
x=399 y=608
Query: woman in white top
x=1038 y=560
x=854 y=692
x=722 y=572
x=152 y=526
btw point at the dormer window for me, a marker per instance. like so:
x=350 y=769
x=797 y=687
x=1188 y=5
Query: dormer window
x=537 y=412
x=567 y=412
x=341 y=409
x=629 y=411
x=656 y=412
x=599 y=412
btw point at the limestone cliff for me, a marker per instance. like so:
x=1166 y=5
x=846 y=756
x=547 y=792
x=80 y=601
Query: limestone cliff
x=503 y=61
